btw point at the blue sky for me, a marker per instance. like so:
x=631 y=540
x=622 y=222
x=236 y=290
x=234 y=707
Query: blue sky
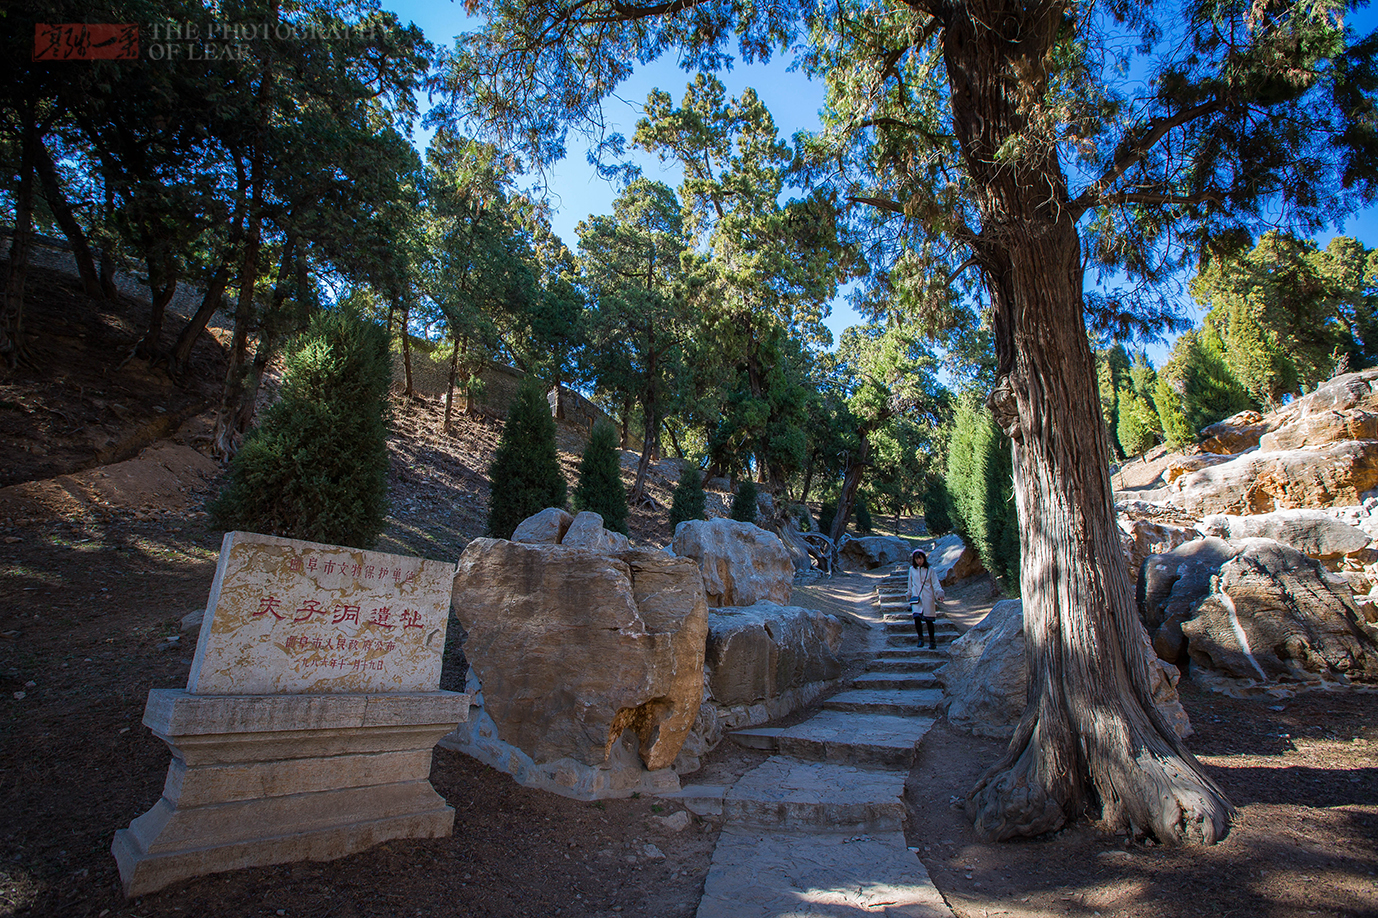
x=576 y=190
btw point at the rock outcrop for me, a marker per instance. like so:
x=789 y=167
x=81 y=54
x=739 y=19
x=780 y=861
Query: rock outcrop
x=586 y=532
x=575 y=653
x=1314 y=533
x=870 y=552
x=1235 y=434
x=1260 y=482
x=545 y=528
x=741 y=564
x=986 y=680
x=1256 y=609
x=762 y=662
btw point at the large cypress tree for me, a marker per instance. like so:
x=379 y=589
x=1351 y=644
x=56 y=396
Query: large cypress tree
x=525 y=476
x=600 y=487
x=1026 y=141
x=316 y=467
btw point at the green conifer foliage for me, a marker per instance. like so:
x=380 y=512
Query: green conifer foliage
x=600 y=487
x=744 y=503
x=980 y=479
x=864 y=524
x=525 y=476
x=937 y=504
x=687 y=502
x=316 y=467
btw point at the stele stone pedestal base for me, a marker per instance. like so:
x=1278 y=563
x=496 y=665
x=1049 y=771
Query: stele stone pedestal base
x=270 y=779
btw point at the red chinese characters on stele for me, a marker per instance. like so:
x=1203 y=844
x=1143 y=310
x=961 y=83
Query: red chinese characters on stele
x=81 y=42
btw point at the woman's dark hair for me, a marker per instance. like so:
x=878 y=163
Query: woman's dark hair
x=918 y=558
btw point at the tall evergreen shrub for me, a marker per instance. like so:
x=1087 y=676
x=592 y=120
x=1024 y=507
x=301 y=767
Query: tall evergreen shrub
x=980 y=480
x=744 y=503
x=525 y=476
x=688 y=503
x=937 y=505
x=316 y=467
x=600 y=487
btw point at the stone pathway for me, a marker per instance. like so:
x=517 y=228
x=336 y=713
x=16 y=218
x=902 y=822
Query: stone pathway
x=817 y=829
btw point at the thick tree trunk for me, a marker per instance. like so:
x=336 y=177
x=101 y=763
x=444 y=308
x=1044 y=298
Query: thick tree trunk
x=1090 y=737
x=62 y=212
x=851 y=481
x=12 y=307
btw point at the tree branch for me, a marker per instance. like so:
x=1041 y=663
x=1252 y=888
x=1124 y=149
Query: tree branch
x=1133 y=149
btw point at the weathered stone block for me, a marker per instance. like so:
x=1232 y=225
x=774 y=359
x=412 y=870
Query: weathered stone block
x=271 y=779
x=741 y=564
x=573 y=649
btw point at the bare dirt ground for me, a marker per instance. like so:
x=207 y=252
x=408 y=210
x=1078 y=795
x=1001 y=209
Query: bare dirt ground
x=96 y=573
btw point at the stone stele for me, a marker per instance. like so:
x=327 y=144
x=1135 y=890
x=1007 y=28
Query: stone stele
x=291 y=616
x=307 y=726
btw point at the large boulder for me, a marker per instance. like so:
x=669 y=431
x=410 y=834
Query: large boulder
x=547 y=527
x=1273 y=616
x=1260 y=482
x=759 y=652
x=1255 y=609
x=1312 y=532
x=953 y=560
x=763 y=662
x=575 y=652
x=986 y=679
x=871 y=552
x=742 y=564
x=1172 y=583
x=586 y=532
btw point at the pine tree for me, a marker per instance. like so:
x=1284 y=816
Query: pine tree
x=525 y=477
x=687 y=502
x=744 y=503
x=316 y=468
x=600 y=487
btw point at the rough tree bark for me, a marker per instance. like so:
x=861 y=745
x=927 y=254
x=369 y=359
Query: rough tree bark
x=1090 y=737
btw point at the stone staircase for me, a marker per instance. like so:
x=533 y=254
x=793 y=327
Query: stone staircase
x=818 y=828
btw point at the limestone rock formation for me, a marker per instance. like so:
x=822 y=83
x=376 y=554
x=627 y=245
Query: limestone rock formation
x=1312 y=532
x=1141 y=538
x=572 y=648
x=1235 y=434
x=953 y=560
x=586 y=532
x=1273 y=615
x=1309 y=431
x=985 y=681
x=759 y=652
x=870 y=552
x=1185 y=465
x=545 y=528
x=742 y=564
x=1260 y=482
x=1255 y=609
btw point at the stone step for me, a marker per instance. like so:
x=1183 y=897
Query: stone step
x=910 y=652
x=886 y=701
x=772 y=874
x=878 y=740
x=900 y=639
x=900 y=680
x=941 y=626
x=908 y=666
x=789 y=793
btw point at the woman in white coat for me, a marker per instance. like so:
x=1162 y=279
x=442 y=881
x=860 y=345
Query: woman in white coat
x=924 y=593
